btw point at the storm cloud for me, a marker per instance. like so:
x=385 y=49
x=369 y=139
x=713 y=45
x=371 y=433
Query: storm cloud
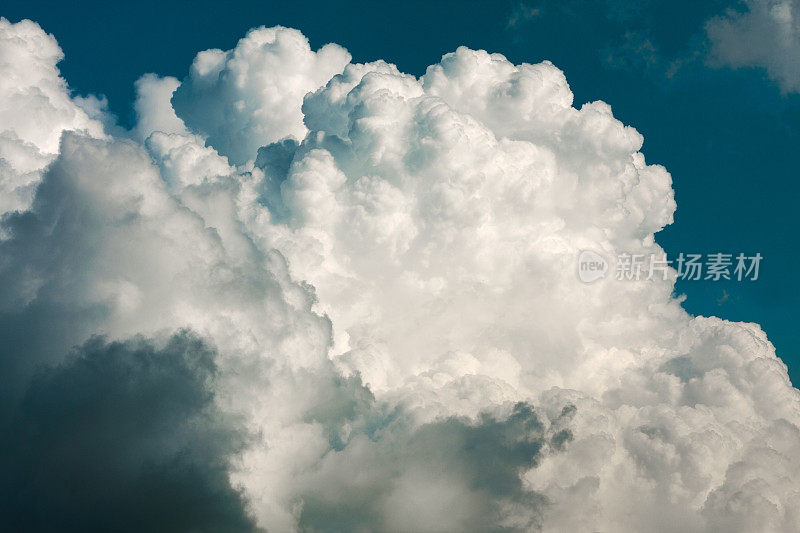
x=122 y=436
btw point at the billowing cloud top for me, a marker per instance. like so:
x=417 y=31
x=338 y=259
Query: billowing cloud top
x=308 y=294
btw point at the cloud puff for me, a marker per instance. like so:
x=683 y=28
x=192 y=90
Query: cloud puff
x=765 y=35
x=35 y=108
x=153 y=108
x=379 y=274
x=249 y=96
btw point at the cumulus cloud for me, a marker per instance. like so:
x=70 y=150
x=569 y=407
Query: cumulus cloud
x=244 y=98
x=379 y=325
x=765 y=34
x=35 y=107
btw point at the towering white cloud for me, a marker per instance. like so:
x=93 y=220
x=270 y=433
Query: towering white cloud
x=389 y=333
x=440 y=221
x=35 y=107
x=766 y=34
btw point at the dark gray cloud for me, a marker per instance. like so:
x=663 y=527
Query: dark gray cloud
x=448 y=475
x=122 y=436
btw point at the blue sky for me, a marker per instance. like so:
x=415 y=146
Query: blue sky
x=729 y=137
